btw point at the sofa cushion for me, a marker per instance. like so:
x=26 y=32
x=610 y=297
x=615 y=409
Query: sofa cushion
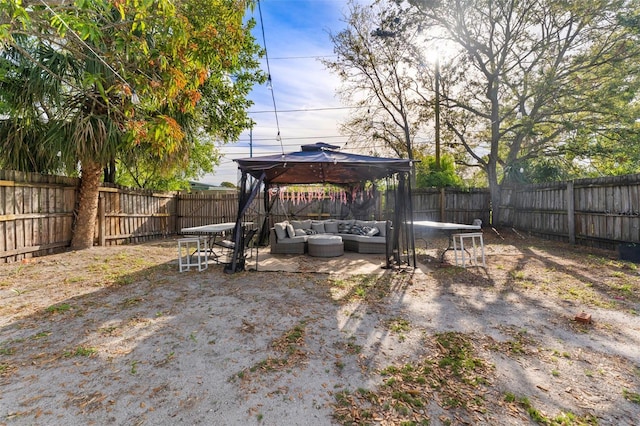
x=293 y=240
x=301 y=224
x=318 y=227
x=382 y=226
x=290 y=231
x=331 y=227
x=281 y=230
x=365 y=239
x=300 y=233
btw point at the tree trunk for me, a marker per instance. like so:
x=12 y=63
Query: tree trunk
x=87 y=206
x=496 y=195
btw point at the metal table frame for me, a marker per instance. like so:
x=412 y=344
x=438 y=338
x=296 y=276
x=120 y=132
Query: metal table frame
x=449 y=228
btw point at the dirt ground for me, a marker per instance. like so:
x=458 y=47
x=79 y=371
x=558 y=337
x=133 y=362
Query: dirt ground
x=117 y=335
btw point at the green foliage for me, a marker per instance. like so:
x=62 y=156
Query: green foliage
x=428 y=174
x=67 y=72
x=555 y=103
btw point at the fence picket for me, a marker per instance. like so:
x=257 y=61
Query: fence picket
x=37 y=212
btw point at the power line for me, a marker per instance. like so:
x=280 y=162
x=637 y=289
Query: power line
x=304 y=57
x=298 y=138
x=270 y=82
x=307 y=109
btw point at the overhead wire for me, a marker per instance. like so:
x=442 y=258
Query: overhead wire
x=270 y=81
x=307 y=109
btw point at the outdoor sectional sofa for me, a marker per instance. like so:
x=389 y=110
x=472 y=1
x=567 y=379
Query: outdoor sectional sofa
x=361 y=236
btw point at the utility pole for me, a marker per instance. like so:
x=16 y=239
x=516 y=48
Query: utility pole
x=437 y=112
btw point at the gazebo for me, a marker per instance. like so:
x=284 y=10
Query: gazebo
x=323 y=163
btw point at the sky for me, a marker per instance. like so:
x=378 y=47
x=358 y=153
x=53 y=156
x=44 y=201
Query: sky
x=296 y=34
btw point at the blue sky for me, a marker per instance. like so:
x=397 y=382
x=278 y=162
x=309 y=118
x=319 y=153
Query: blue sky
x=296 y=33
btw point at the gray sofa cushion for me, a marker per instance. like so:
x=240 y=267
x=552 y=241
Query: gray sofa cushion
x=281 y=230
x=318 y=227
x=301 y=224
x=382 y=226
x=365 y=239
x=293 y=240
x=331 y=227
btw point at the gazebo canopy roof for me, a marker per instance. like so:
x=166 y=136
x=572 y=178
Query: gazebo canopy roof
x=321 y=163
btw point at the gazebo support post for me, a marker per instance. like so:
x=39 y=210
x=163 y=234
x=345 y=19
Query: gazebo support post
x=245 y=199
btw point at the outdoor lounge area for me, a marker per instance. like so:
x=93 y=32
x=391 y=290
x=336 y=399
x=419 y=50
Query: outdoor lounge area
x=300 y=236
x=324 y=164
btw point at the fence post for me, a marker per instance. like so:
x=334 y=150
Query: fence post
x=102 y=225
x=571 y=219
x=443 y=201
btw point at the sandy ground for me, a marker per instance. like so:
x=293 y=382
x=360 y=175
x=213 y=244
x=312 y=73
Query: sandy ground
x=117 y=335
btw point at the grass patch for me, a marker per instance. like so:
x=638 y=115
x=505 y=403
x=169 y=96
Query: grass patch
x=454 y=377
x=399 y=326
x=361 y=287
x=59 y=309
x=563 y=419
x=81 y=351
x=631 y=396
x=289 y=345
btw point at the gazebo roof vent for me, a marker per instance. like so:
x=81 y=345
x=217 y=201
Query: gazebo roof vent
x=319 y=146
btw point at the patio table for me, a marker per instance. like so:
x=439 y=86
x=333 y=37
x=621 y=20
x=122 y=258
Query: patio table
x=212 y=232
x=449 y=228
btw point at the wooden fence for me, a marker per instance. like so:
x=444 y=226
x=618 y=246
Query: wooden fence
x=600 y=212
x=37 y=211
x=452 y=205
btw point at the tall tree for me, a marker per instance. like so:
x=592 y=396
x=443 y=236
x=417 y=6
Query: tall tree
x=372 y=62
x=71 y=74
x=531 y=75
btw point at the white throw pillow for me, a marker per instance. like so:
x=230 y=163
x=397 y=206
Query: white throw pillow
x=281 y=230
x=373 y=231
x=290 y=231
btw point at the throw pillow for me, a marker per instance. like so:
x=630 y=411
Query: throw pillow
x=331 y=227
x=281 y=230
x=290 y=231
x=297 y=224
x=318 y=227
x=373 y=231
x=300 y=233
x=382 y=226
x=356 y=230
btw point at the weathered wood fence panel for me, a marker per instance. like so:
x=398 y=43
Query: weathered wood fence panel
x=600 y=212
x=452 y=205
x=127 y=216
x=37 y=211
x=205 y=208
